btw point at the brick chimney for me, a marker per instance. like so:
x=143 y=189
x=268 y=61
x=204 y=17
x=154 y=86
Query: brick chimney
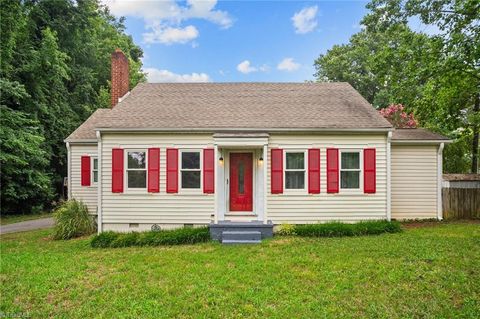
x=120 y=79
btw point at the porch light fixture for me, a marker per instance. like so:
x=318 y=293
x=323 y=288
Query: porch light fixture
x=221 y=159
x=261 y=159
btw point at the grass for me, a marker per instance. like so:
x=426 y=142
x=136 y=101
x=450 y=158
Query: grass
x=431 y=271
x=10 y=219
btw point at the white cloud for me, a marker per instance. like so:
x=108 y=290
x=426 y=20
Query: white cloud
x=288 y=64
x=170 y=35
x=161 y=15
x=157 y=76
x=305 y=20
x=246 y=68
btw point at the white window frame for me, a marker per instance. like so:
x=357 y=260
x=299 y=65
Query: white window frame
x=92 y=170
x=126 y=169
x=305 y=169
x=360 y=169
x=181 y=169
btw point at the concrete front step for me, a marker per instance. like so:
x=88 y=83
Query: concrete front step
x=216 y=230
x=240 y=242
x=241 y=236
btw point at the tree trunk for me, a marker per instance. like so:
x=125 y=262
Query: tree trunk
x=476 y=129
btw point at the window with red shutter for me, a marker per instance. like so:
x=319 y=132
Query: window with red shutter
x=85 y=171
x=208 y=171
x=277 y=171
x=314 y=171
x=153 y=170
x=172 y=170
x=117 y=170
x=332 y=170
x=369 y=170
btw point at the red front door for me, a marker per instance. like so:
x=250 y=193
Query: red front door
x=241 y=182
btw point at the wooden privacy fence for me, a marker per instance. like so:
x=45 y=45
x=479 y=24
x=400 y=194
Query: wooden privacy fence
x=461 y=203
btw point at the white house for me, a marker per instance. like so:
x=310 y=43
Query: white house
x=194 y=154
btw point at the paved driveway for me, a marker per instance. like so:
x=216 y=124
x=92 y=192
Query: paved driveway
x=27 y=225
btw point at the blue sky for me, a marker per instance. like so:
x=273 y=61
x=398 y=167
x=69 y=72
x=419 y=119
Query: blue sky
x=236 y=41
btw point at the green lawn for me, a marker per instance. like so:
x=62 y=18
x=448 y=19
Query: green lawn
x=10 y=219
x=425 y=272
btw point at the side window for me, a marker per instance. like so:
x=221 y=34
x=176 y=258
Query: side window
x=190 y=170
x=136 y=169
x=350 y=170
x=94 y=170
x=295 y=170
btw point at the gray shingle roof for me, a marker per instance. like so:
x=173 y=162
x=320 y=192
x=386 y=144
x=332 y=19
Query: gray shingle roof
x=86 y=131
x=237 y=106
x=416 y=134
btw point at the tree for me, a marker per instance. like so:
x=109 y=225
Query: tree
x=388 y=63
x=55 y=71
x=396 y=115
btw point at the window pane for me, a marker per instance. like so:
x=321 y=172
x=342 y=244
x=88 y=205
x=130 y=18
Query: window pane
x=295 y=160
x=137 y=179
x=95 y=176
x=190 y=179
x=351 y=160
x=294 y=180
x=350 y=179
x=191 y=160
x=95 y=163
x=136 y=159
x=241 y=179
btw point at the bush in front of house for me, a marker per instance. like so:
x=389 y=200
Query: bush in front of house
x=72 y=220
x=337 y=229
x=178 y=236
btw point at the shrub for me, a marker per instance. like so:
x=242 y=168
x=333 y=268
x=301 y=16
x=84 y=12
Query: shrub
x=286 y=230
x=104 y=239
x=152 y=238
x=72 y=220
x=336 y=229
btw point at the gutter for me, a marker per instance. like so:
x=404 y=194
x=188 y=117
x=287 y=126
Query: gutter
x=439 y=181
x=389 y=176
x=421 y=141
x=223 y=129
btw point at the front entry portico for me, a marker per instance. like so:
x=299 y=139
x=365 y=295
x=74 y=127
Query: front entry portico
x=240 y=177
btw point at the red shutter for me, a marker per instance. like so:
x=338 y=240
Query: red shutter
x=314 y=171
x=277 y=171
x=332 y=170
x=208 y=171
x=153 y=170
x=117 y=170
x=85 y=168
x=369 y=171
x=172 y=170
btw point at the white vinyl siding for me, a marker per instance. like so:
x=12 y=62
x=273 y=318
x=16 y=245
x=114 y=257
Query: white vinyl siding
x=120 y=209
x=301 y=208
x=86 y=194
x=414 y=181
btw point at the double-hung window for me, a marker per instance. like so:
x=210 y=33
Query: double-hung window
x=94 y=170
x=190 y=170
x=136 y=169
x=294 y=170
x=350 y=170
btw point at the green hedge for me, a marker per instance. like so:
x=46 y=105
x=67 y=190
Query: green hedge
x=336 y=229
x=152 y=238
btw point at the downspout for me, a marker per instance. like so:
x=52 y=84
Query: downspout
x=69 y=171
x=389 y=176
x=99 y=184
x=439 y=181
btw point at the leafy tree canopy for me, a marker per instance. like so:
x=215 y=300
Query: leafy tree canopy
x=437 y=77
x=55 y=72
